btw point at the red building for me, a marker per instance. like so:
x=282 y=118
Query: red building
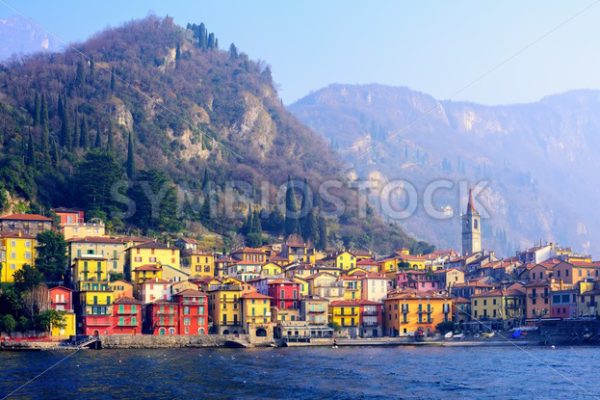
x=60 y=298
x=285 y=294
x=186 y=314
x=69 y=216
x=418 y=280
x=127 y=316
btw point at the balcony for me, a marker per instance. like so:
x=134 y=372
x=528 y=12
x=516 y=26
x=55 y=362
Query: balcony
x=126 y=312
x=166 y=312
x=339 y=314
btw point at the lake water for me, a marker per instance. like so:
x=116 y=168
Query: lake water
x=307 y=373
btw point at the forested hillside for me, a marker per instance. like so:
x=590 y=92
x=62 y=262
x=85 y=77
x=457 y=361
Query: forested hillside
x=155 y=107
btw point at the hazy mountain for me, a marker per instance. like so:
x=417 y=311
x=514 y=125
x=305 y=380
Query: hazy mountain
x=195 y=113
x=20 y=37
x=541 y=158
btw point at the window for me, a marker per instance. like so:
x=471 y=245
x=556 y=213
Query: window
x=133 y=308
x=121 y=308
x=121 y=321
x=133 y=321
x=186 y=321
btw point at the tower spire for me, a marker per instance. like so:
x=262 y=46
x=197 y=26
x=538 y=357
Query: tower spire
x=471 y=204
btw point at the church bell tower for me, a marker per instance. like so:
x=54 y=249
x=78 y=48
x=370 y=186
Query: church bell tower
x=471 y=229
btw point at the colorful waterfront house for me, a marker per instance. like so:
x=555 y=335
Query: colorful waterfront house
x=314 y=310
x=152 y=290
x=95 y=308
x=507 y=305
x=256 y=312
x=572 y=273
x=224 y=307
x=199 y=263
x=121 y=288
x=564 y=303
x=192 y=312
x=69 y=216
x=354 y=271
x=470 y=288
x=182 y=286
x=111 y=248
x=16 y=250
x=588 y=302
x=162 y=319
x=461 y=310
x=174 y=274
x=150 y=253
x=408 y=311
x=417 y=279
x=537 y=300
x=205 y=283
x=354 y=318
x=147 y=272
x=352 y=287
x=250 y=255
x=449 y=277
x=374 y=287
x=187 y=245
x=324 y=284
x=296 y=250
x=29 y=224
x=271 y=270
x=285 y=294
x=408 y=261
x=303 y=285
x=389 y=266
x=343 y=260
x=222 y=263
x=127 y=316
x=368 y=265
x=89 y=267
x=60 y=298
x=244 y=270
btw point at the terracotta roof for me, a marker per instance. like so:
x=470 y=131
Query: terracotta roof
x=165 y=302
x=367 y=261
x=191 y=293
x=154 y=280
x=127 y=300
x=415 y=294
x=345 y=303
x=16 y=235
x=61 y=287
x=189 y=240
x=148 y=267
x=97 y=239
x=248 y=250
x=25 y=217
x=255 y=295
x=461 y=300
x=280 y=281
x=152 y=245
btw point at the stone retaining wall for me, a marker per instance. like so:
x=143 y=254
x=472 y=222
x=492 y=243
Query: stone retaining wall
x=154 y=342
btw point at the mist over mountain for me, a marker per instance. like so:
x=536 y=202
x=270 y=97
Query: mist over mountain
x=540 y=158
x=19 y=37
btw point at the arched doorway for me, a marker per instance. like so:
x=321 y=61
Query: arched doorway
x=226 y=332
x=171 y=331
x=96 y=333
x=261 y=332
x=162 y=331
x=200 y=331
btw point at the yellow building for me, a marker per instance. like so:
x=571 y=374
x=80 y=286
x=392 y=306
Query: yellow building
x=256 y=310
x=68 y=330
x=388 y=266
x=408 y=311
x=501 y=304
x=89 y=268
x=352 y=287
x=144 y=272
x=224 y=307
x=345 y=314
x=270 y=269
x=16 y=250
x=303 y=284
x=152 y=253
x=111 y=248
x=200 y=263
x=353 y=318
x=83 y=229
x=345 y=261
x=412 y=262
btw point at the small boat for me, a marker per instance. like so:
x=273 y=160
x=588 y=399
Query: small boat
x=334 y=346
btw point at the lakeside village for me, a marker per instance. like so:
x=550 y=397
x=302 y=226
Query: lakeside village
x=288 y=292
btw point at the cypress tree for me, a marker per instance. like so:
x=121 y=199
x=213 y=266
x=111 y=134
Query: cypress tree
x=216 y=44
x=92 y=69
x=291 y=210
x=205 y=181
x=305 y=211
x=110 y=142
x=313 y=226
x=98 y=141
x=37 y=113
x=112 y=80
x=45 y=143
x=177 y=55
x=233 y=52
x=322 y=243
x=79 y=74
x=83 y=134
x=55 y=153
x=257 y=225
x=202 y=37
x=76 y=138
x=65 y=128
x=44 y=112
x=211 y=41
x=30 y=158
x=130 y=166
x=205 y=211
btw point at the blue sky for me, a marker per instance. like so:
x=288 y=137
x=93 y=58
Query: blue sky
x=437 y=47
